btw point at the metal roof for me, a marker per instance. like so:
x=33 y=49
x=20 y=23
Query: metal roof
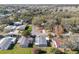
x=5 y=42
x=11 y=27
x=17 y=23
x=22 y=27
x=24 y=41
x=40 y=40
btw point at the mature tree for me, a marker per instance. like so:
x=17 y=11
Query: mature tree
x=27 y=31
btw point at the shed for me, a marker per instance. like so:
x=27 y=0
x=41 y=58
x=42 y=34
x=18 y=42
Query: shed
x=40 y=41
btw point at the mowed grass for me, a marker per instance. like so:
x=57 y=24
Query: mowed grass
x=17 y=50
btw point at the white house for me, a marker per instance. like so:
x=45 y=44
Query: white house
x=15 y=32
x=5 y=43
x=14 y=38
x=9 y=28
x=24 y=42
x=22 y=27
x=40 y=41
x=17 y=23
x=15 y=35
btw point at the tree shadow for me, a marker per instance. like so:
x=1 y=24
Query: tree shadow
x=11 y=46
x=1 y=36
x=48 y=43
x=42 y=52
x=30 y=45
x=39 y=51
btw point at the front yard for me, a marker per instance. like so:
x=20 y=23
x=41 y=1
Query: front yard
x=17 y=50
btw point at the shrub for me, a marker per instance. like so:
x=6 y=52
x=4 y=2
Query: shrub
x=38 y=51
x=27 y=31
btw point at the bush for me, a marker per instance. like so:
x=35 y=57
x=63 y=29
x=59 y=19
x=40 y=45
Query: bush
x=27 y=31
x=38 y=51
x=57 y=51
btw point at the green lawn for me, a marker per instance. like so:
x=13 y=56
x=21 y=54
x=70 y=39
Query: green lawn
x=17 y=50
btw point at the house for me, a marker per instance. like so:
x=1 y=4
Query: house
x=22 y=27
x=5 y=43
x=30 y=40
x=19 y=40
x=9 y=28
x=24 y=42
x=57 y=43
x=40 y=41
x=14 y=39
x=17 y=23
x=15 y=32
x=15 y=35
x=25 y=20
x=38 y=31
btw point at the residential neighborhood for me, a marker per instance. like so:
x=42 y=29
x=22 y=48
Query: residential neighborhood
x=39 y=29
